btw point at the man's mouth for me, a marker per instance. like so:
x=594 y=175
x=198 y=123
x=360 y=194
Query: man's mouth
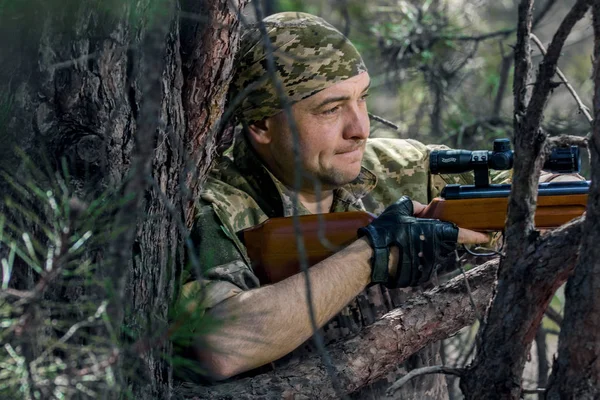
x=351 y=149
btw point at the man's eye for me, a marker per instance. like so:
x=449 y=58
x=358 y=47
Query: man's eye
x=331 y=110
x=364 y=96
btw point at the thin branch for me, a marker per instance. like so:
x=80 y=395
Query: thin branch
x=461 y=65
x=384 y=121
x=552 y=332
x=79 y=60
x=548 y=66
x=479 y=38
x=469 y=293
x=508 y=59
x=567 y=140
x=538 y=18
x=107 y=363
x=522 y=59
x=21 y=294
x=72 y=330
x=543 y=365
x=554 y=316
x=534 y=391
x=582 y=107
x=437 y=369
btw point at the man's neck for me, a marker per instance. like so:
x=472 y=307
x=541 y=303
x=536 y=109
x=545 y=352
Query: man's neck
x=314 y=205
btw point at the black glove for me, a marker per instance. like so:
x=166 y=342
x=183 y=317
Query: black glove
x=423 y=244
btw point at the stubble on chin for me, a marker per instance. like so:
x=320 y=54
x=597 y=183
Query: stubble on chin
x=334 y=179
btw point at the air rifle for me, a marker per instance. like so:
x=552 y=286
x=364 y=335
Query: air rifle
x=272 y=246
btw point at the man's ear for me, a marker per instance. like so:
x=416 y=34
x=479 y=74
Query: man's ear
x=259 y=131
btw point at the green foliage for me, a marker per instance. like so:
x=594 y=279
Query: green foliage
x=54 y=346
x=409 y=34
x=300 y=6
x=58 y=336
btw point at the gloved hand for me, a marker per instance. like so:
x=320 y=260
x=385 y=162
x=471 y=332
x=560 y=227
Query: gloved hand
x=423 y=244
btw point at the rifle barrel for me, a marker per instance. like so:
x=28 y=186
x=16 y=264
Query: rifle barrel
x=458 y=192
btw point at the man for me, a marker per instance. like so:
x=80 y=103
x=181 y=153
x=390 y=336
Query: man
x=326 y=82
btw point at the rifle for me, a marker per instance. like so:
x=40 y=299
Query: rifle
x=272 y=246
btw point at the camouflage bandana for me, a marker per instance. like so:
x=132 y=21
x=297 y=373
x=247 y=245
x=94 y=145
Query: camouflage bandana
x=309 y=55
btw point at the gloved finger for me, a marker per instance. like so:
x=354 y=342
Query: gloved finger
x=404 y=206
x=405 y=272
x=467 y=236
x=446 y=235
x=446 y=231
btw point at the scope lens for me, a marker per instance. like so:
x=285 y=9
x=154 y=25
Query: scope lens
x=450 y=161
x=563 y=160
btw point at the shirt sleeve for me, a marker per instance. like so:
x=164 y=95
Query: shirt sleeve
x=218 y=271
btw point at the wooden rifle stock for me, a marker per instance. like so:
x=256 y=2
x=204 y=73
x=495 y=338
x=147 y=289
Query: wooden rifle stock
x=272 y=245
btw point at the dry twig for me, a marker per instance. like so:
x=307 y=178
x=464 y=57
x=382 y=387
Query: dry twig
x=582 y=107
x=436 y=369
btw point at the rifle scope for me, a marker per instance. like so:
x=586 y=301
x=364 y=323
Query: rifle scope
x=561 y=160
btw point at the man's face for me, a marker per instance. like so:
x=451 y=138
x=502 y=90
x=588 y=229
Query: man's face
x=332 y=125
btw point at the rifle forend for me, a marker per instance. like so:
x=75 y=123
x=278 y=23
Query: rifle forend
x=484 y=209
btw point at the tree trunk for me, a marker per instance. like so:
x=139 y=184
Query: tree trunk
x=576 y=371
x=106 y=86
x=437 y=93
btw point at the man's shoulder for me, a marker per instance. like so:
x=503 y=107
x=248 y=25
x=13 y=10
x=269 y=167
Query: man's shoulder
x=381 y=150
x=398 y=159
x=401 y=167
x=224 y=191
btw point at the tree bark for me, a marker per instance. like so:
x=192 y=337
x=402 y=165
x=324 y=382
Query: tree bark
x=110 y=88
x=576 y=370
x=208 y=50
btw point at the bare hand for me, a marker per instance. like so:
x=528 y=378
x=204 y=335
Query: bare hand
x=418 y=208
x=467 y=236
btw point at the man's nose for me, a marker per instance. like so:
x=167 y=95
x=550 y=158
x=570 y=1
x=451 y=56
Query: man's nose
x=357 y=124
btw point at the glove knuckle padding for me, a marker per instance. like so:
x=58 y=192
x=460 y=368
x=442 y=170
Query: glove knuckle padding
x=422 y=243
x=404 y=206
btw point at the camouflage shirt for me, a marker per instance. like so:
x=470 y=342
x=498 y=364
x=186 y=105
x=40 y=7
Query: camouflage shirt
x=241 y=192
